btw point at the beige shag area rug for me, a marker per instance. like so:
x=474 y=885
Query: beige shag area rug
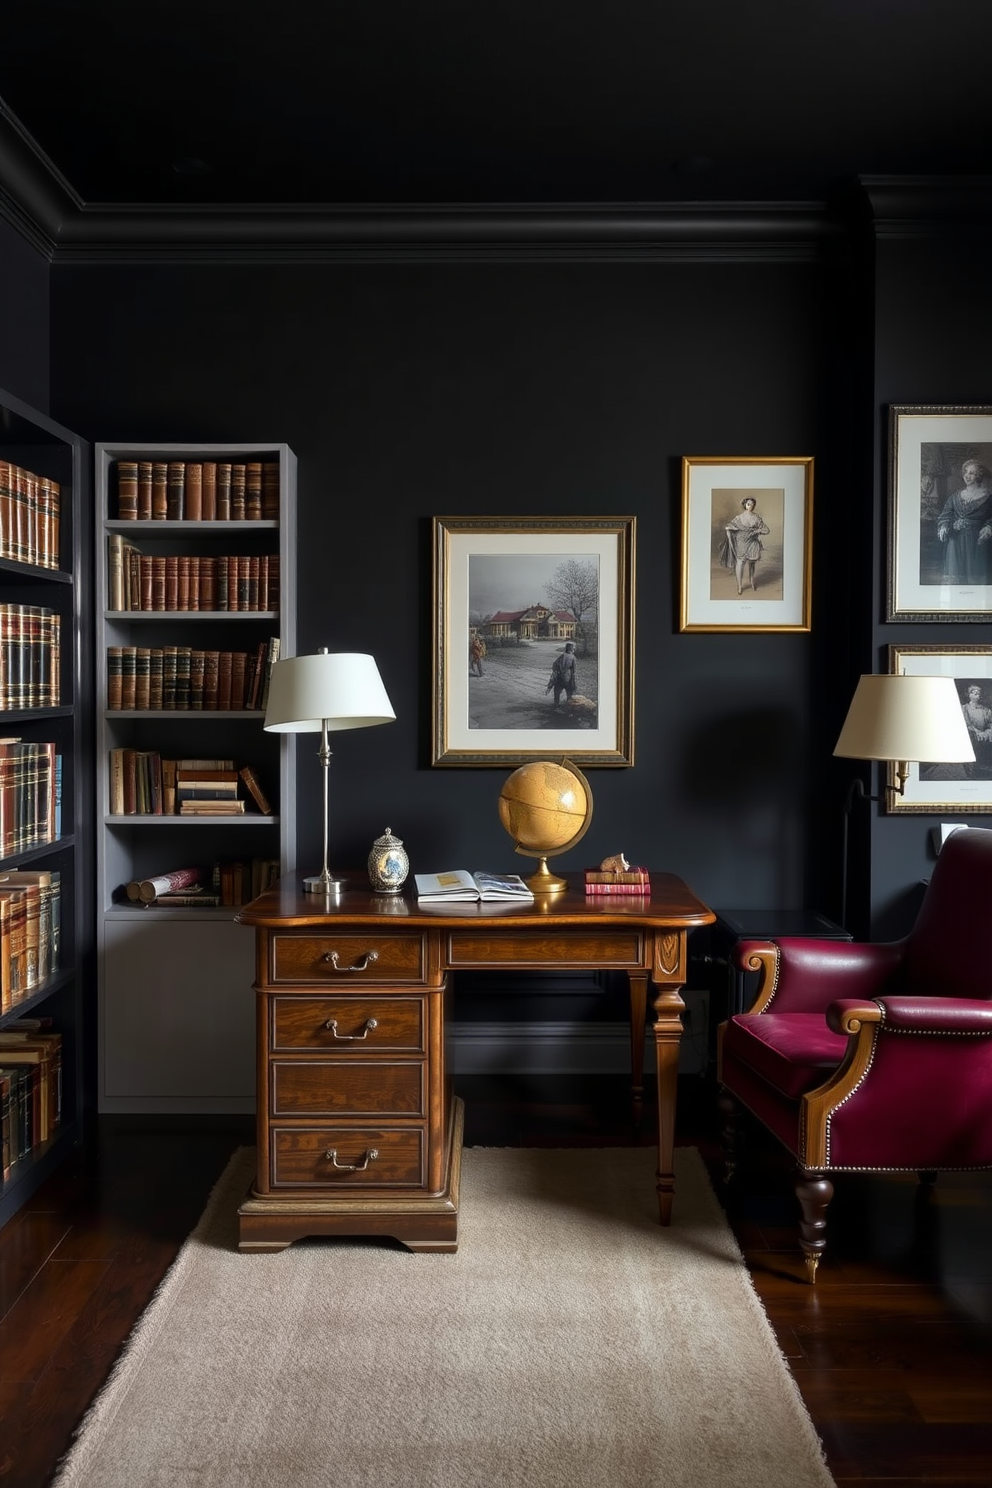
x=571 y=1342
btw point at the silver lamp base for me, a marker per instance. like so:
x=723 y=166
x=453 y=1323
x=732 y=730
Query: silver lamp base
x=331 y=888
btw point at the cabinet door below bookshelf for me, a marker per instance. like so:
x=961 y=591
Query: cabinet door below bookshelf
x=178 y=1014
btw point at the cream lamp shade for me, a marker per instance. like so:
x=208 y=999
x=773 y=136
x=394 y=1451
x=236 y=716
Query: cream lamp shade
x=341 y=690
x=326 y=693
x=905 y=718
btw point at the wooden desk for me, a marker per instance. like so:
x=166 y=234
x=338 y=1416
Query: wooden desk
x=359 y=1132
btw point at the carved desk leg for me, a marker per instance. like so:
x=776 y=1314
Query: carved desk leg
x=669 y=978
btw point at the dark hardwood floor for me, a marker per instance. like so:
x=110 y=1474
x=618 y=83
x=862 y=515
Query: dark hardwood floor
x=892 y=1349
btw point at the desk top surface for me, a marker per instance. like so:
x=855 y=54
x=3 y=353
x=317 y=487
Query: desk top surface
x=671 y=905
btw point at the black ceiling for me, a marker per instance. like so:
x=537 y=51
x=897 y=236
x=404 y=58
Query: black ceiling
x=360 y=102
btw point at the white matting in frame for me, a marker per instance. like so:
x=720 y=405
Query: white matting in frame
x=746 y=543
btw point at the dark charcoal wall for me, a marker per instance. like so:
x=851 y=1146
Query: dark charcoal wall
x=557 y=388
x=24 y=330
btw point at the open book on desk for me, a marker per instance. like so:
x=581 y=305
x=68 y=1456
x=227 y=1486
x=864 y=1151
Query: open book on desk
x=444 y=888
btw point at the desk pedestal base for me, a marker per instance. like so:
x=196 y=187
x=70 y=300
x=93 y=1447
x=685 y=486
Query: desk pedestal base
x=421 y=1223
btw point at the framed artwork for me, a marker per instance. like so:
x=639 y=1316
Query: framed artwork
x=533 y=642
x=944 y=787
x=747 y=529
x=940 y=513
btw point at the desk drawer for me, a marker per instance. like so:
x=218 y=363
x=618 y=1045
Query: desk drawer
x=351 y=1026
x=349 y=958
x=561 y=949
x=353 y=1088
x=335 y=1157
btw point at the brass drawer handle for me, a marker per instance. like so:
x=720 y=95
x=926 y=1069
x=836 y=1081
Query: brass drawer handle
x=370 y=1156
x=350 y=1038
x=361 y=965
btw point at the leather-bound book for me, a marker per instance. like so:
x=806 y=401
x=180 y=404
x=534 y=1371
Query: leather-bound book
x=239 y=662
x=160 y=490
x=129 y=675
x=142 y=677
x=144 y=490
x=182 y=600
x=184 y=658
x=197 y=665
x=209 y=490
x=211 y=680
x=127 y=490
x=171 y=582
x=146 y=582
x=176 y=491
x=253 y=491
x=156 y=667
x=158 y=582
x=208 y=583
x=270 y=490
x=170 y=666
x=238 y=478
x=225 y=665
x=193 y=511
x=114 y=676
x=223 y=491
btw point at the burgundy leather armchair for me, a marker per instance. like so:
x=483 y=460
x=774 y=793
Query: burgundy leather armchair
x=873 y=1057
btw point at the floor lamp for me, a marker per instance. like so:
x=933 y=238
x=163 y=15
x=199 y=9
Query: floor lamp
x=324 y=694
x=900 y=720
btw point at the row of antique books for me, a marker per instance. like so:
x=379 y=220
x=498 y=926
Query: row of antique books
x=198 y=490
x=30 y=794
x=180 y=581
x=142 y=783
x=29 y=516
x=184 y=678
x=30 y=1088
x=226 y=882
x=30 y=657
x=30 y=932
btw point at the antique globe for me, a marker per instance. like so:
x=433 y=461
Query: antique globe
x=546 y=808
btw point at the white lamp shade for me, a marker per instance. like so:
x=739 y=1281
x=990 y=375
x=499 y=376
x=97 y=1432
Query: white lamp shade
x=905 y=718
x=342 y=690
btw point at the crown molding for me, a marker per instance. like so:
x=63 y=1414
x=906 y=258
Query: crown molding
x=926 y=206
x=43 y=208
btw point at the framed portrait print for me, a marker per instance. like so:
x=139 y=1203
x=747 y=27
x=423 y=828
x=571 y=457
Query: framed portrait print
x=747 y=527
x=935 y=787
x=940 y=513
x=533 y=640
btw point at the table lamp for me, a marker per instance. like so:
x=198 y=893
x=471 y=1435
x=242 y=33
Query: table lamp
x=900 y=720
x=323 y=694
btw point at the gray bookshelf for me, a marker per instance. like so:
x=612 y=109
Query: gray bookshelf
x=33 y=442
x=176 y=1010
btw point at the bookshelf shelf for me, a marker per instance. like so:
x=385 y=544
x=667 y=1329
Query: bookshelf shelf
x=33 y=446
x=176 y=1029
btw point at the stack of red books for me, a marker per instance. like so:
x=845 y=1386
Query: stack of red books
x=618 y=881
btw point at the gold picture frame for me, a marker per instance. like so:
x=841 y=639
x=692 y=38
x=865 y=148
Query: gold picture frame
x=747 y=540
x=944 y=788
x=532 y=590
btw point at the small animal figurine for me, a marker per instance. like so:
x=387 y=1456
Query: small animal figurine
x=617 y=864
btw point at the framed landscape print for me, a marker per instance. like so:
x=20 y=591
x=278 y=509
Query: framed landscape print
x=533 y=640
x=940 y=513
x=935 y=787
x=747 y=527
